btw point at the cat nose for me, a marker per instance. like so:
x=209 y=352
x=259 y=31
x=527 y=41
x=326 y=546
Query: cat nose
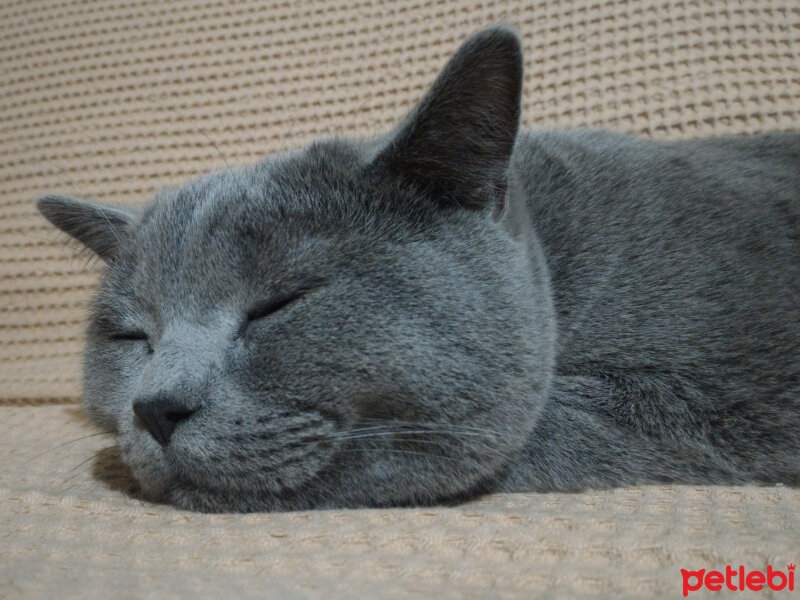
x=161 y=415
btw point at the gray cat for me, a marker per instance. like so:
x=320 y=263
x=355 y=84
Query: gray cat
x=455 y=308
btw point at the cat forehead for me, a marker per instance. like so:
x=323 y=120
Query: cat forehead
x=287 y=183
x=325 y=186
x=284 y=214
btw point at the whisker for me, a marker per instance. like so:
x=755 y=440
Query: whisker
x=399 y=427
x=80 y=464
x=84 y=461
x=407 y=432
x=397 y=451
x=440 y=443
x=432 y=424
x=91 y=435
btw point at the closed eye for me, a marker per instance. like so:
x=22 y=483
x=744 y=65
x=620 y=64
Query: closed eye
x=278 y=302
x=259 y=311
x=271 y=306
x=129 y=336
x=133 y=336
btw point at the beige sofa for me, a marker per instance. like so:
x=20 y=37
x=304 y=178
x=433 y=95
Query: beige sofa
x=112 y=100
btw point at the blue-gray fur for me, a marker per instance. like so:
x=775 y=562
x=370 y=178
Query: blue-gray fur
x=453 y=318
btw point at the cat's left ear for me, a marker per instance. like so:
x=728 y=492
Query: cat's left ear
x=456 y=144
x=101 y=228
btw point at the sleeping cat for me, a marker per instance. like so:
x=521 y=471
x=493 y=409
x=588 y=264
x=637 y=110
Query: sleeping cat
x=455 y=308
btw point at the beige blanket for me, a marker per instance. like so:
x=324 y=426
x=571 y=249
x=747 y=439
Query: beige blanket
x=112 y=100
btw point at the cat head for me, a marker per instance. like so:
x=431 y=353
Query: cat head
x=353 y=324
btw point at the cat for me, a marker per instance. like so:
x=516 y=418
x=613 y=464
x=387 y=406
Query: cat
x=455 y=308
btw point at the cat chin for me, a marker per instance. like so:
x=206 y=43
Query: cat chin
x=324 y=494
x=147 y=467
x=169 y=478
x=160 y=487
x=159 y=484
x=186 y=497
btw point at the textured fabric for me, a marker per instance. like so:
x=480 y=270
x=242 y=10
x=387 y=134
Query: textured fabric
x=112 y=100
x=67 y=531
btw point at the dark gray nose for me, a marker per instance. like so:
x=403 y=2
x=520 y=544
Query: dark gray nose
x=161 y=416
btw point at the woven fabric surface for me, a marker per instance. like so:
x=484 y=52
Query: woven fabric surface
x=112 y=100
x=68 y=531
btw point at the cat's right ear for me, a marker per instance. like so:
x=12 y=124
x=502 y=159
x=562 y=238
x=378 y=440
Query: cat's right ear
x=100 y=228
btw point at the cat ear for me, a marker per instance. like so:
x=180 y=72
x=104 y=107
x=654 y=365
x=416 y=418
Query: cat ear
x=100 y=228
x=457 y=143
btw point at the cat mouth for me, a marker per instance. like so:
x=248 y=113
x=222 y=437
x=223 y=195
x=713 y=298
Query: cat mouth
x=211 y=466
x=225 y=483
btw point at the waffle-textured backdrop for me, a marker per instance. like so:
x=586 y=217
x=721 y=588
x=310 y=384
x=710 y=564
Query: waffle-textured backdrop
x=112 y=100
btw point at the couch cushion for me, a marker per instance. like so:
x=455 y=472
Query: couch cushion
x=67 y=529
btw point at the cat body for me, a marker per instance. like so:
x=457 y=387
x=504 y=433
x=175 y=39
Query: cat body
x=675 y=272
x=454 y=308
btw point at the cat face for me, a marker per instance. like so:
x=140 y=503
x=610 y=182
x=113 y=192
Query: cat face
x=348 y=325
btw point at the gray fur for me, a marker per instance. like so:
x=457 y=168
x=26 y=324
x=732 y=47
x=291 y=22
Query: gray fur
x=454 y=318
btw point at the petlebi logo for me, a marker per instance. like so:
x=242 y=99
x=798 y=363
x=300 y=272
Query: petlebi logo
x=738 y=580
